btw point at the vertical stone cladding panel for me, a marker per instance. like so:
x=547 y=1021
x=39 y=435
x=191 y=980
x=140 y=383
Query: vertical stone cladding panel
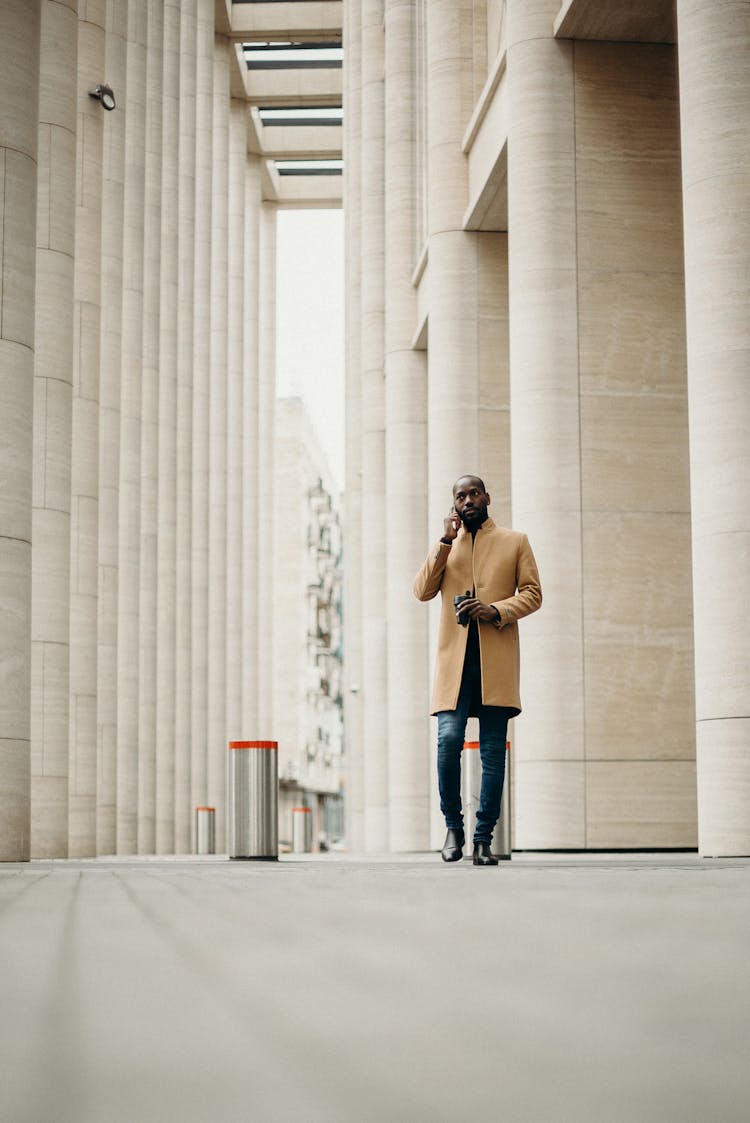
x=374 y=649
x=113 y=184
x=353 y=704
x=217 y=475
x=406 y=533
x=266 y=494
x=131 y=363
x=250 y=460
x=53 y=363
x=201 y=383
x=186 y=218
x=235 y=357
x=166 y=550
x=147 y=667
x=545 y=437
x=635 y=494
x=19 y=97
x=85 y=439
x=714 y=61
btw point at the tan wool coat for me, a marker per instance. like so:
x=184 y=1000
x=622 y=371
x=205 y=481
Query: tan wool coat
x=500 y=568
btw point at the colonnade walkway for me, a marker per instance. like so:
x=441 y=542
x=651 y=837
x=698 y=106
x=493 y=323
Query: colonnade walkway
x=608 y=988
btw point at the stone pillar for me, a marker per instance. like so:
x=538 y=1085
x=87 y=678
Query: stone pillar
x=201 y=362
x=405 y=453
x=374 y=664
x=50 y=594
x=453 y=347
x=85 y=442
x=353 y=723
x=494 y=373
x=186 y=219
x=113 y=182
x=19 y=96
x=266 y=439
x=131 y=361
x=166 y=549
x=150 y=436
x=545 y=438
x=250 y=459
x=217 y=510
x=453 y=407
x=235 y=358
x=714 y=62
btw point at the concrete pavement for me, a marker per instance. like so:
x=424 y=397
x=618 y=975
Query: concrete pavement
x=614 y=989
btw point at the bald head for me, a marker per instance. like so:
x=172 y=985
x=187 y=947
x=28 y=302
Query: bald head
x=468 y=481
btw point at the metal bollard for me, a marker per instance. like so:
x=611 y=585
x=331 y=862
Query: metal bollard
x=205 y=830
x=471 y=783
x=301 y=830
x=253 y=800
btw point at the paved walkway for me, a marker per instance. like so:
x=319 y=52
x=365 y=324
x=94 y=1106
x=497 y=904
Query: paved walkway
x=348 y=991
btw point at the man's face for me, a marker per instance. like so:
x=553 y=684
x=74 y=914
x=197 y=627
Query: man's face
x=471 y=501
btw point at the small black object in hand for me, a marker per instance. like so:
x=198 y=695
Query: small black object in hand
x=461 y=617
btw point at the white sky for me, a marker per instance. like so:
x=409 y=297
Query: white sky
x=310 y=322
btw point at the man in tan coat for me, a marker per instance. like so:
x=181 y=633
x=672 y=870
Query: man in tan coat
x=493 y=572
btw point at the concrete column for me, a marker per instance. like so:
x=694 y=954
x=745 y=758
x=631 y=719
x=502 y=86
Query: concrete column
x=50 y=591
x=217 y=510
x=453 y=408
x=150 y=436
x=131 y=360
x=250 y=458
x=186 y=217
x=453 y=347
x=166 y=550
x=545 y=437
x=405 y=452
x=494 y=372
x=109 y=428
x=19 y=96
x=374 y=650
x=201 y=361
x=85 y=441
x=266 y=439
x=353 y=723
x=714 y=62
x=235 y=359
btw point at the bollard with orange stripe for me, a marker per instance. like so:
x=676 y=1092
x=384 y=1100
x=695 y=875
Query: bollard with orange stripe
x=253 y=819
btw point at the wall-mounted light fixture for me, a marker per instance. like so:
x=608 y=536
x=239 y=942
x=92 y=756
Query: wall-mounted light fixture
x=104 y=94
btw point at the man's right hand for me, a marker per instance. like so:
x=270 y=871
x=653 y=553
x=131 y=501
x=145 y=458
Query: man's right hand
x=451 y=524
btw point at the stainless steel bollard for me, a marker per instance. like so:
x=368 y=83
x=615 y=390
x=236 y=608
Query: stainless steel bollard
x=301 y=830
x=253 y=819
x=205 y=830
x=471 y=783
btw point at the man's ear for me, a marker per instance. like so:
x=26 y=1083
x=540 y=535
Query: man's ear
x=488 y=499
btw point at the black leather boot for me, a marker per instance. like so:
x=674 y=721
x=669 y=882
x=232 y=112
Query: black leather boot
x=483 y=856
x=453 y=848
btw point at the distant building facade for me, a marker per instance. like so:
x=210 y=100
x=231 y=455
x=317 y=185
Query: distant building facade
x=307 y=631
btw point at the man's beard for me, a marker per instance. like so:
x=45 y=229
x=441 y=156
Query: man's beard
x=476 y=517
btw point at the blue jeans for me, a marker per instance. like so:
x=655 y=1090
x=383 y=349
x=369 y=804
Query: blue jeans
x=493 y=730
